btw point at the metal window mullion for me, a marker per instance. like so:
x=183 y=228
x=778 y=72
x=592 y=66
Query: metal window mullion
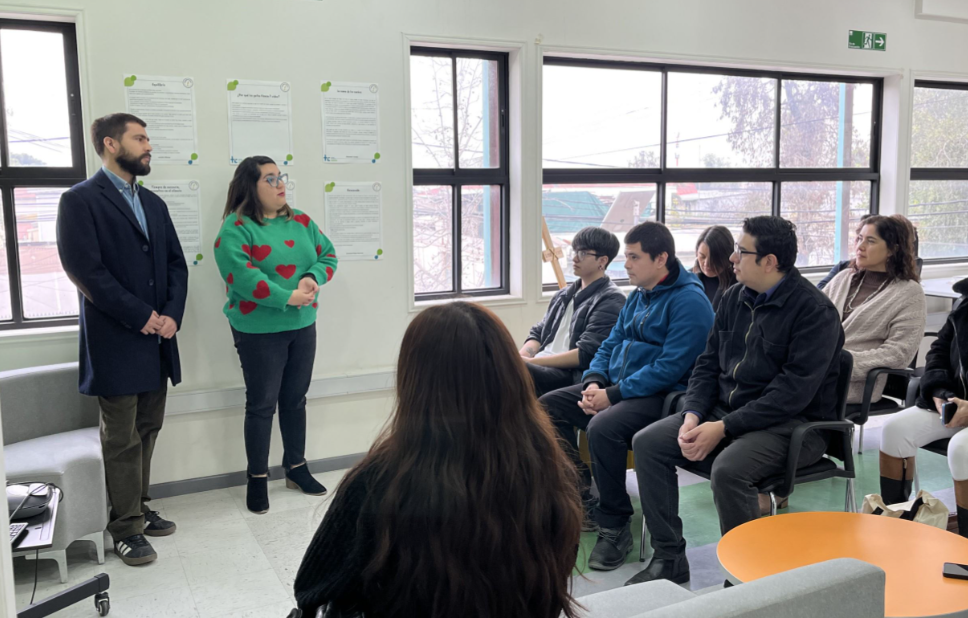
x=777 y=195
x=660 y=202
x=777 y=119
x=453 y=90
x=456 y=244
x=13 y=257
x=664 y=121
x=4 y=142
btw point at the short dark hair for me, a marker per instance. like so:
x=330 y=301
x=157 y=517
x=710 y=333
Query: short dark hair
x=776 y=236
x=113 y=126
x=654 y=237
x=602 y=242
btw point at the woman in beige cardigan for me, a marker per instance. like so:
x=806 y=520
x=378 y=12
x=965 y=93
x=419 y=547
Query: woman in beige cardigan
x=880 y=301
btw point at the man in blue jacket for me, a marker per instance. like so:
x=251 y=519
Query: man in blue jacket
x=118 y=245
x=660 y=331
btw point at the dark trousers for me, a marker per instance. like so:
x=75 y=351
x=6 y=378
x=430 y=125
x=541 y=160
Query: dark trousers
x=610 y=435
x=129 y=427
x=735 y=467
x=547 y=379
x=277 y=368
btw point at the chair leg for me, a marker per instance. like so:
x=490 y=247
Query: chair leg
x=917 y=482
x=850 y=505
x=98 y=539
x=60 y=557
x=860 y=441
x=772 y=504
x=644 y=542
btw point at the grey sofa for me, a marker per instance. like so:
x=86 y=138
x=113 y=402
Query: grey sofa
x=50 y=434
x=843 y=587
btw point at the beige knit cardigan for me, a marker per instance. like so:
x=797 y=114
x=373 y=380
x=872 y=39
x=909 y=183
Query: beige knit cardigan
x=885 y=331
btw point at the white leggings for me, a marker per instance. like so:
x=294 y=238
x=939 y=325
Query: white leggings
x=913 y=428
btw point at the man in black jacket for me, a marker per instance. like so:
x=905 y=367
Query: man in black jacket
x=580 y=316
x=770 y=364
x=118 y=245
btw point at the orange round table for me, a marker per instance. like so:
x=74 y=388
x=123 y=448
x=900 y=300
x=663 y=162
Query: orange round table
x=911 y=554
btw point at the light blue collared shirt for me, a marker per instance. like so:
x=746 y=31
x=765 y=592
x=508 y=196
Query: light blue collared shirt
x=130 y=194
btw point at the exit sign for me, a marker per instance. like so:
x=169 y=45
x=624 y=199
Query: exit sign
x=861 y=39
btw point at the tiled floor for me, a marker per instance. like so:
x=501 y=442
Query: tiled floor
x=225 y=562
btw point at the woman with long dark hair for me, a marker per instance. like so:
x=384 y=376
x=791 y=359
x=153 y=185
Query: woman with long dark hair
x=466 y=505
x=273 y=260
x=713 y=267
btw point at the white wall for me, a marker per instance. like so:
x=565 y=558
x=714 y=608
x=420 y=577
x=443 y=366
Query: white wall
x=366 y=309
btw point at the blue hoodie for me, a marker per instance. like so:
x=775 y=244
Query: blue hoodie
x=658 y=336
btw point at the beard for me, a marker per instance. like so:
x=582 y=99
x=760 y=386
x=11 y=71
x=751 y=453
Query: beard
x=132 y=165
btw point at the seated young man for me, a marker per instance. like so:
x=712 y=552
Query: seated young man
x=771 y=363
x=579 y=317
x=661 y=330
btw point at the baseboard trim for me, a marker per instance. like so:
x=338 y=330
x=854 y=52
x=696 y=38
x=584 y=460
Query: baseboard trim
x=234 y=479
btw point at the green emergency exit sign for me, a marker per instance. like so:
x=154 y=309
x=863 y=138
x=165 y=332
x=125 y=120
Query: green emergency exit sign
x=861 y=39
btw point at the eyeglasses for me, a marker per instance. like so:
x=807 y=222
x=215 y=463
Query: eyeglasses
x=741 y=251
x=277 y=181
x=581 y=255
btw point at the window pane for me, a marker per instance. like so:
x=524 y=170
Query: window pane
x=826 y=215
x=478 y=112
x=825 y=124
x=569 y=208
x=940 y=133
x=35 y=94
x=691 y=208
x=47 y=292
x=6 y=311
x=432 y=112
x=433 y=239
x=720 y=121
x=480 y=244
x=939 y=209
x=594 y=118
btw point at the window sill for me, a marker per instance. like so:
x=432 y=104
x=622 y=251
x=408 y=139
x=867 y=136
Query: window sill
x=39 y=334
x=504 y=300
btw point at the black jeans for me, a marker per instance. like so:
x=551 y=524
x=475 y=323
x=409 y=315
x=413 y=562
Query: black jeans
x=277 y=368
x=735 y=467
x=610 y=435
x=547 y=379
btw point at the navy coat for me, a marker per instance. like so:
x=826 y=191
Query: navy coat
x=122 y=277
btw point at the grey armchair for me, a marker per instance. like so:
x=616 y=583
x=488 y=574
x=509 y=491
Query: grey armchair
x=51 y=434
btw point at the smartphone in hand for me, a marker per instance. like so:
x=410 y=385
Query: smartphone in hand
x=948 y=412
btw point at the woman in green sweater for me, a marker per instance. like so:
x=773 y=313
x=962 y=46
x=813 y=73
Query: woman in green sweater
x=273 y=260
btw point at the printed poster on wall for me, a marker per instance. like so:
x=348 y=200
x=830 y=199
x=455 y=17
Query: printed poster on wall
x=260 y=120
x=351 y=122
x=354 y=221
x=184 y=200
x=167 y=105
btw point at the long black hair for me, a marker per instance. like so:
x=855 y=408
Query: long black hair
x=719 y=240
x=243 y=197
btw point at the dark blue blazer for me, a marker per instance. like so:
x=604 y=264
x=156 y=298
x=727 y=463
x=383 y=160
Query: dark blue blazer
x=122 y=277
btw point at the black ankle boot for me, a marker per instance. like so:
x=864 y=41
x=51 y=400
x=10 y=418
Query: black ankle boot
x=893 y=491
x=257 y=494
x=300 y=478
x=963 y=521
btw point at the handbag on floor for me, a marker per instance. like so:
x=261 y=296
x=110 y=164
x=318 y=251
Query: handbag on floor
x=924 y=509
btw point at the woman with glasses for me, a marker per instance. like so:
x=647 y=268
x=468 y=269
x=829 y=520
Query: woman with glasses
x=712 y=266
x=273 y=260
x=581 y=315
x=880 y=300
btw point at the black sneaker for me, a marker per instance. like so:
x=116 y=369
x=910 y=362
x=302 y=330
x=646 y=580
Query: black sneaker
x=135 y=550
x=155 y=525
x=613 y=545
